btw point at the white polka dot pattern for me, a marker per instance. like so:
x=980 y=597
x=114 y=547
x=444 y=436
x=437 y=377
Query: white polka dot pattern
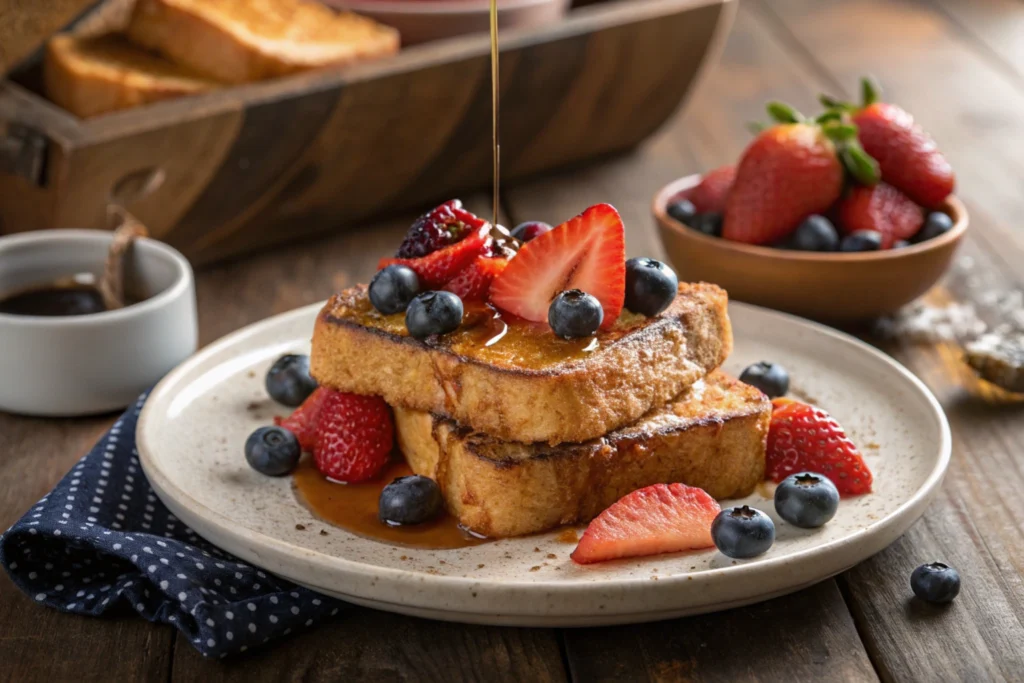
x=101 y=539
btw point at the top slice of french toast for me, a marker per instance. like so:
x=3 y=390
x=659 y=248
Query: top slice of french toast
x=515 y=380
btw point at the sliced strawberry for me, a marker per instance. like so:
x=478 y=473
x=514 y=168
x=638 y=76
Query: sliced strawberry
x=354 y=437
x=710 y=194
x=587 y=252
x=474 y=282
x=435 y=269
x=664 y=518
x=803 y=438
x=302 y=422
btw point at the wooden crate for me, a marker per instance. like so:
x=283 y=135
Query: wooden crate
x=236 y=169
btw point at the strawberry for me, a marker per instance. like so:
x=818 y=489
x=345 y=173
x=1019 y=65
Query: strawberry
x=587 y=252
x=663 y=518
x=787 y=173
x=710 y=195
x=474 y=282
x=882 y=209
x=354 y=436
x=437 y=268
x=803 y=438
x=908 y=157
x=302 y=423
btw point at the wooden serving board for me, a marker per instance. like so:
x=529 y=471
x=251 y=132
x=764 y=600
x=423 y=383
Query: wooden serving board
x=233 y=170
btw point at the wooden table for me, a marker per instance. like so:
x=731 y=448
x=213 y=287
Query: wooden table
x=959 y=66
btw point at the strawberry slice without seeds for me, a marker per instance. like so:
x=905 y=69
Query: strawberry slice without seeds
x=664 y=518
x=587 y=252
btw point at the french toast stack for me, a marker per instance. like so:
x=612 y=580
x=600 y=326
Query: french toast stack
x=524 y=431
x=181 y=47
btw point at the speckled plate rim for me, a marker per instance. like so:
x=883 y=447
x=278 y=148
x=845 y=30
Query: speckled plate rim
x=561 y=603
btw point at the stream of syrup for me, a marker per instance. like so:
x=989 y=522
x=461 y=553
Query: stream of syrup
x=496 y=146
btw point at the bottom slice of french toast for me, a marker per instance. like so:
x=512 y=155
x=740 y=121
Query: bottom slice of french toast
x=712 y=436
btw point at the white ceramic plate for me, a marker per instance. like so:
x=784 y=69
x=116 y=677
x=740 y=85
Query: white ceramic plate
x=192 y=429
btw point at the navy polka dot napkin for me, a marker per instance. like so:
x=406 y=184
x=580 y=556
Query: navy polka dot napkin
x=102 y=540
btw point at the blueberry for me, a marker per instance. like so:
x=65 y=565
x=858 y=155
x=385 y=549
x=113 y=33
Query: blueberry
x=524 y=232
x=409 y=500
x=771 y=378
x=708 y=223
x=651 y=286
x=900 y=244
x=575 y=314
x=433 y=313
x=862 y=240
x=806 y=500
x=682 y=210
x=273 y=451
x=393 y=288
x=935 y=582
x=937 y=223
x=743 y=532
x=815 y=233
x=288 y=381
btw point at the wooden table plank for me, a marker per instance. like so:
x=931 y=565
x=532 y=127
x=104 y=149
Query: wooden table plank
x=996 y=25
x=366 y=645
x=808 y=636
x=975 y=524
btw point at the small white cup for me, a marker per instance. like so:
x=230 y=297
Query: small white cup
x=96 y=363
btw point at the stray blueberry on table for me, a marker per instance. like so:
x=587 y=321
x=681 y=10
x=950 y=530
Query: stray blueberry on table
x=524 y=232
x=575 y=314
x=935 y=582
x=682 y=210
x=807 y=500
x=273 y=451
x=935 y=224
x=815 y=233
x=862 y=240
x=651 y=286
x=392 y=288
x=742 y=532
x=771 y=378
x=288 y=381
x=409 y=500
x=433 y=313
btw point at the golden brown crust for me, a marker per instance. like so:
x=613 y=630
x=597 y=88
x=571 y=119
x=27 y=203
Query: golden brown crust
x=239 y=41
x=570 y=401
x=712 y=436
x=91 y=76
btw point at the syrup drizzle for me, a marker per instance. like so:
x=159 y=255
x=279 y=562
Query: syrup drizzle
x=494 y=105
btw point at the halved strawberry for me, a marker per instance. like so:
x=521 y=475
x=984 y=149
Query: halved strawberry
x=803 y=438
x=587 y=252
x=474 y=282
x=663 y=518
x=437 y=268
x=302 y=422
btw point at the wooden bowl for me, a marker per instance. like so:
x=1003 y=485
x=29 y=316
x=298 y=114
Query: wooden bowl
x=833 y=287
x=420 y=21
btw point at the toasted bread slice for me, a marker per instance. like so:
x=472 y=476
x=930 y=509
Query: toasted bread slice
x=517 y=381
x=712 y=436
x=238 y=41
x=90 y=76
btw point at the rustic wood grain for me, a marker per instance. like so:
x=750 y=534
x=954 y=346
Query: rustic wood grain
x=805 y=637
x=25 y=24
x=316 y=151
x=365 y=645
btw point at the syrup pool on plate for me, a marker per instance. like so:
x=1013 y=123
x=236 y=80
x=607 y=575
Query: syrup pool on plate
x=353 y=507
